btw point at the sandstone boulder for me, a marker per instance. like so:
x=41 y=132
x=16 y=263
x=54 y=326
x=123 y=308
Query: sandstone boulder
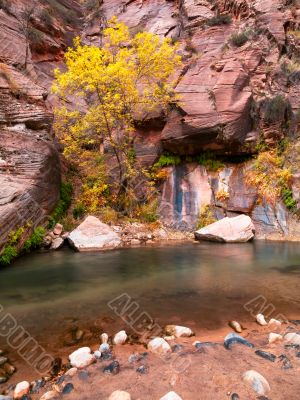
x=229 y=230
x=93 y=235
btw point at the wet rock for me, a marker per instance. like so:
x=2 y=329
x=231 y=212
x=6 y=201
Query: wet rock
x=260 y=319
x=3 y=379
x=37 y=385
x=83 y=375
x=57 y=243
x=25 y=397
x=159 y=346
x=3 y=360
x=286 y=362
x=274 y=337
x=60 y=380
x=274 y=322
x=113 y=368
x=82 y=358
x=235 y=326
x=176 y=348
x=235 y=396
x=292 y=338
x=171 y=396
x=234 y=338
x=93 y=235
x=120 y=338
x=120 y=395
x=68 y=388
x=229 y=230
x=142 y=369
x=51 y=395
x=56 y=366
x=178 y=331
x=258 y=383
x=137 y=357
x=266 y=355
x=21 y=389
x=58 y=229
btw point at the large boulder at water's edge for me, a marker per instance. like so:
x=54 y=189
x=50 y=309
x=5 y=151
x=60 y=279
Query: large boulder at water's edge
x=230 y=230
x=94 y=235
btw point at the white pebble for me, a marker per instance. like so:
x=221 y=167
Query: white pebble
x=260 y=319
x=52 y=394
x=104 y=338
x=292 y=338
x=104 y=348
x=81 y=358
x=159 y=346
x=258 y=383
x=97 y=354
x=274 y=337
x=71 y=372
x=120 y=337
x=274 y=321
x=171 y=396
x=21 y=389
x=120 y=395
x=178 y=331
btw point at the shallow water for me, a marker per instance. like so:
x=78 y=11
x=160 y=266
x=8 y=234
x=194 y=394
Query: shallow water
x=200 y=284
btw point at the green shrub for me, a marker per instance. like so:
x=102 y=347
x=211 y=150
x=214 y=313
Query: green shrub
x=167 y=159
x=79 y=211
x=66 y=191
x=9 y=253
x=46 y=18
x=288 y=200
x=148 y=212
x=238 y=39
x=210 y=161
x=219 y=20
x=205 y=217
x=35 y=240
x=34 y=35
x=275 y=108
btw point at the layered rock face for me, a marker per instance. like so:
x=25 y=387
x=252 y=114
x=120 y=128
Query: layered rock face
x=231 y=70
x=32 y=40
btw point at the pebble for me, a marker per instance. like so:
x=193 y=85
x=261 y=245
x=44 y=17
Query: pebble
x=137 y=357
x=266 y=355
x=97 y=354
x=3 y=379
x=104 y=348
x=9 y=369
x=235 y=396
x=120 y=395
x=120 y=338
x=235 y=326
x=258 y=383
x=52 y=394
x=274 y=337
x=260 y=319
x=21 y=389
x=169 y=338
x=159 y=346
x=37 y=385
x=292 y=338
x=286 y=362
x=104 y=338
x=81 y=358
x=57 y=243
x=176 y=348
x=274 y=321
x=68 y=388
x=233 y=338
x=142 y=369
x=3 y=360
x=171 y=396
x=113 y=368
x=56 y=366
x=71 y=372
x=178 y=331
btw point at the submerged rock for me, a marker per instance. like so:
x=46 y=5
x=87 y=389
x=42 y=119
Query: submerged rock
x=260 y=319
x=178 y=331
x=94 y=235
x=159 y=346
x=81 y=358
x=286 y=362
x=21 y=389
x=171 y=396
x=266 y=355
x=229 y=230
x=236 y=326
x=233 y=338
x=120 y=337
x=120 y=395
x=113 y=368
x=68 y=388
x=258 y=383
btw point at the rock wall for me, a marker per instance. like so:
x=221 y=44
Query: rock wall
x=33 y=36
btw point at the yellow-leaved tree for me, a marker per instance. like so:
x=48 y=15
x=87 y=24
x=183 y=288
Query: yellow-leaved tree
x=113 y=86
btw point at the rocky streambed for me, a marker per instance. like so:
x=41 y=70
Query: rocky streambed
x=261 y=362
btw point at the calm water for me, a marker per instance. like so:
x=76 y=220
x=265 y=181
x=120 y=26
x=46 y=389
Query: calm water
x=201 y=284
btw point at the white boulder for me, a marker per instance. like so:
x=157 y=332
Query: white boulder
x=94 y=235
x=178 y=331
x=21 y=389
x=229 y=230
x=171 y=396
x=81 y=358
x=120 y=337
x=258 y=383
x=120 y=395
x=159 y=346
